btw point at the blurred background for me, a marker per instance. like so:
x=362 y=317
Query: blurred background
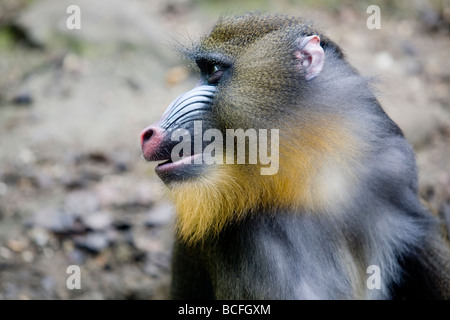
x=74 y=188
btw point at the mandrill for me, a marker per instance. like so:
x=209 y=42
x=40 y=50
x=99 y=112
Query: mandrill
x=338 y=217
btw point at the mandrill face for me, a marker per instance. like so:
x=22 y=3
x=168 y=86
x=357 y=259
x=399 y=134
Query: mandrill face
x=234 y=115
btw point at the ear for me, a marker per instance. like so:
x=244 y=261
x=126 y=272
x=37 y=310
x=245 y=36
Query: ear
x=311 y=56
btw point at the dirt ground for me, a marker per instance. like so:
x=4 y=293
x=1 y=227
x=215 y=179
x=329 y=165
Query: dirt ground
x=74 y=188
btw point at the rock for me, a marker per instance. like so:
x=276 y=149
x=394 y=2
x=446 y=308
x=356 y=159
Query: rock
x=48 y=253
x=3 y=188
x=39 y=236
x=48 y=283
x=72 y=63
x=142 y=240
x=76 y=256
x=160 y=215
x=44 y=180
x=81 y=203
x=98 y=156
x=122 y=160
x=73 y=181
x=107 y=194
x=124 y=192
x=121 y=167
x=152 y=270
x=384 y=61
x=123 y=224
x=134 y=284
x=53 y=219
x=26 y=156
x=27 y=256
x=17 y=245
x=112 y=235
x=160 y=259
x=98 y=221
x=157 y=264
x=147 y=193
x=93 y=241
x=22 y=99
x=123 y=253
x=5 y=253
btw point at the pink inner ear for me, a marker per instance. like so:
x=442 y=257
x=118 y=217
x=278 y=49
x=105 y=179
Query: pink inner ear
x=310 y=56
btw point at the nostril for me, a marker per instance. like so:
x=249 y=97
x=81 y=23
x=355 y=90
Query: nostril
x=147 y=135
x=152 y=139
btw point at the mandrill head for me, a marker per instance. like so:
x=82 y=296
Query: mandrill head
x=275 y=123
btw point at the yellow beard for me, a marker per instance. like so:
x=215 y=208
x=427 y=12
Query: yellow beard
x=315 y=175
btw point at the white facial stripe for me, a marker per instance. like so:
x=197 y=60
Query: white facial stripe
x=187 y=105
x=190 y=97
x=201 y=90
x=192 y=100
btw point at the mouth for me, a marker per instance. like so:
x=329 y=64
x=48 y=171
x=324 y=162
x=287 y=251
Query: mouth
x=183 y=169
x=168 y=165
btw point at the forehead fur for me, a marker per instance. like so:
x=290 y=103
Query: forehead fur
x=232 y=33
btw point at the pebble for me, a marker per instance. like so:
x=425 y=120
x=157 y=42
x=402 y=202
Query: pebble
x=160 y=215
x=72 y=181
x=123 y=224
x=81 y=203
x=22 y=99
x=39 y=236
x=94 y=242
x=27 y=256
x=48 y=253
x=76 y=256
x=26 y=156
x=5 y=253
x=17 y=245
x=98 y=221
x=106 y=193
x=53 y=219
x=121 y=192
x=48 y=283
x=384 y=61
x=3 y=188
x=142 y=240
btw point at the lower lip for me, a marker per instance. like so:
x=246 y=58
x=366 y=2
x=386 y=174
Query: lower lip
x=177 y=164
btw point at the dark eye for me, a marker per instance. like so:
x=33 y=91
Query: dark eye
x=214 y=74
x=212 y=71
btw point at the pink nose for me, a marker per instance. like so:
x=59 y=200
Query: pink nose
x=151 y=138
